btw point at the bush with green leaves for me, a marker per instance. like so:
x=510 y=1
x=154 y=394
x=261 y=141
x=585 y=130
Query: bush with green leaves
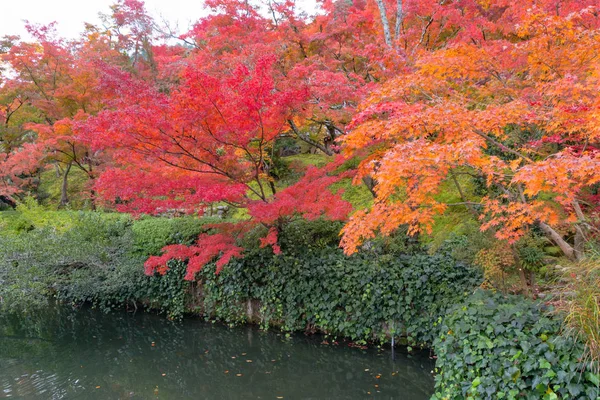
x=30 y=215
x=507 y=347
x=47 y=260
x=151 y=234
x=89 y=257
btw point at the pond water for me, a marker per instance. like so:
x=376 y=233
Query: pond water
x=65 y=354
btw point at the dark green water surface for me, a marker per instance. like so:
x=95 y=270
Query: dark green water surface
x=65 y=354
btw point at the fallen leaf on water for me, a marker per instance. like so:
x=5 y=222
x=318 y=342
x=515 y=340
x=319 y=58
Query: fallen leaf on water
x=226 y=371
x=378 y=376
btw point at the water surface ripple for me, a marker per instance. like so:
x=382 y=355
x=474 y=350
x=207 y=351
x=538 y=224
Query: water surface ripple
x=85 y=354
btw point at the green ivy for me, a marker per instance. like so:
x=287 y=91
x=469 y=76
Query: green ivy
x=507 y=347
x=363 y=297
x=167 y=292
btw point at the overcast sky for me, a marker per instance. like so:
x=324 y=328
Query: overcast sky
x=71 y=14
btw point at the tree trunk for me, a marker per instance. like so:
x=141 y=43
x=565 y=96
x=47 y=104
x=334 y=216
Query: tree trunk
x=93 y=199
x=399 y=18
x=305 y=138
x=564 y=246
x=581 y=229
x=532 y=283
x=462 y=195
x=7 y=200
x=64 y=195
x=91 y=177
x=384 y=22
x=579 y=243
x=370 y=184
x=57 y=170
x=329 y=140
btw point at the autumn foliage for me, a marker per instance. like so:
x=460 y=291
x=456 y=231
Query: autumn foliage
x=514 y=107
x=426 y=95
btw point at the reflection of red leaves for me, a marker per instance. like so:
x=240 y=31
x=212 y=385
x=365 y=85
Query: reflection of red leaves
x=357 y=346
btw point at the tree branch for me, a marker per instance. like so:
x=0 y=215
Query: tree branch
x=306 y=139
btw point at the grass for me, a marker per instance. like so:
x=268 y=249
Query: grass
x=357 y=195
x=317 y=160
x=583 y=308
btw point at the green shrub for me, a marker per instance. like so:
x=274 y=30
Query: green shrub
x=30 y=215
x=99 y=257
x=151 y=234
x=95 y=257
x=46 y=260
x=302 y=236
x=127 y=286
x=497 y=347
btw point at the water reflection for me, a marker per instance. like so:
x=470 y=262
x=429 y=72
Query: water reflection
x=88 y=355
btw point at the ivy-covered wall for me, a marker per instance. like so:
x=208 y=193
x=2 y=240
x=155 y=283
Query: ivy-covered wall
x=364 y=297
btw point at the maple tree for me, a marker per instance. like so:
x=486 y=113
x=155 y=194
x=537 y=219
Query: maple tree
x=209 y=136
x=204 y=141
x=58 y=82
x=18 y=155
x=18 y=161
x=473 y=107
x=58 y=85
